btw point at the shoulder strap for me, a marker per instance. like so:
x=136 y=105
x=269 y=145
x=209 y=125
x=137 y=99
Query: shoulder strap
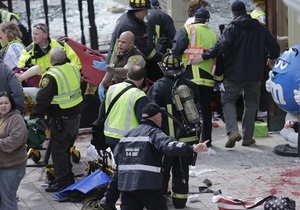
x=116 y=98
x=257 y=204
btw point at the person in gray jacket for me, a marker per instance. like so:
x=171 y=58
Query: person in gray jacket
x=10 y=84
x=13 y=154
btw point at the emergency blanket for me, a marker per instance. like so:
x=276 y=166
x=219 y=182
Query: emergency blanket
x=85 y=185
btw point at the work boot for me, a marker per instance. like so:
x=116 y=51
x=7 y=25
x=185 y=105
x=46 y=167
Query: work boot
x=248 y=142
x=106 y=204
x=232 y=138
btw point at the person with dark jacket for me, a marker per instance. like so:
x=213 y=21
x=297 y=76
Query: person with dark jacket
x=138 y=158
x=243 y=44
x=162 y=92
x=160 y=31
x=60 y=99
x=133 y=20
x=10 y=84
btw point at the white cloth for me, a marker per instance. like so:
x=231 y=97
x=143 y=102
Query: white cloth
x=190 y=20
x=11 y=56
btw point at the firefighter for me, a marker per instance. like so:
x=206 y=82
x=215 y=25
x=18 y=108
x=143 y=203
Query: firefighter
x=162 y=93
x=160 y=31
x=189 y=42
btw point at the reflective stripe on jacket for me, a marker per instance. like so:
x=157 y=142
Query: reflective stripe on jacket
x=122 y=115
x=200 y=38
x=67 y=78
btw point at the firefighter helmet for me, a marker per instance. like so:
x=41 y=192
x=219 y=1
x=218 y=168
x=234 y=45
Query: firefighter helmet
x=139 y=4
x=171 y=64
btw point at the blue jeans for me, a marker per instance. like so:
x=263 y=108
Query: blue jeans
x=9 y=184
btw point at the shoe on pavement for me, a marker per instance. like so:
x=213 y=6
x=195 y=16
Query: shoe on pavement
x=54 y=188
x=248 y=142
x=105 y=204
x=232 y=138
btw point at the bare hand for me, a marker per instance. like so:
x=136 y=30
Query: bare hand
x=289 y=124
x=201 y=147
x=271 y=62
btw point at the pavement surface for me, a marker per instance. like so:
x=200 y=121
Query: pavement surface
x=240 y=172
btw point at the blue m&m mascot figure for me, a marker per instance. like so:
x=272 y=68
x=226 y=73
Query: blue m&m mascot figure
x=284 y=85
x=284 y=81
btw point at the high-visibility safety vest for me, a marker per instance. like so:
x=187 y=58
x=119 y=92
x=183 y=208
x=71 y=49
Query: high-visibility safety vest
x=30 y=56
x=122 y=116
x=67 y=77
x=257 y=12
x=8 y=16
x=200 y=38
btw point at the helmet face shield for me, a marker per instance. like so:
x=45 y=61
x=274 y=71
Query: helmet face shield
x=171 y=65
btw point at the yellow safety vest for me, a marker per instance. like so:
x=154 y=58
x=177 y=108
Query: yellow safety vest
x=257 y=12
x=44 y=60
x=200 y=38
x=67 y=77
x=122 y=116
x=8 y=16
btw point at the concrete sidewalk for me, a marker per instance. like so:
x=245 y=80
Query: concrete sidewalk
x=239 y=172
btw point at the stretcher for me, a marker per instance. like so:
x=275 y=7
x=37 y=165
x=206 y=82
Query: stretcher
x=90 y=74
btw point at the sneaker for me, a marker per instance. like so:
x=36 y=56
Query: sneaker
x=232 y=138
x=105 y=204
x=248 y=142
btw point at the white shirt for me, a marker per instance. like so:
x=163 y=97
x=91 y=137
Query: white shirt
x=11 y=56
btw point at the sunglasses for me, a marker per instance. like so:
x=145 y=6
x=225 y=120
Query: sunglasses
x=39 y=26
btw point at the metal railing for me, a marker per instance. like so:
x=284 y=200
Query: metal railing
x=91 y=16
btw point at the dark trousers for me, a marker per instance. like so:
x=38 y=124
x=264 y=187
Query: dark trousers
x=60 y=143
x=206 y=112
x=179 y=167
x=137 y=200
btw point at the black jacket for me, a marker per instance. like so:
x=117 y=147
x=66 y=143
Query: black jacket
x=161 y=93
x=243 y=44
x=139 y=156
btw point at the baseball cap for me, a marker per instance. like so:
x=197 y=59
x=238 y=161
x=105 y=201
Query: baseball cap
x=201 y=14
x=238 y=6
x=152 y=109
x=155 y=3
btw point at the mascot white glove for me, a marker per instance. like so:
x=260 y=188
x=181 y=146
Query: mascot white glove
x=297 y=96
x=268 y=82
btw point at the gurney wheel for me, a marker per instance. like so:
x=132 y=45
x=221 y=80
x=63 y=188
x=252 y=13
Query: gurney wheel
x=76 y=157
x=50 y=174
x=36 y=156
x=75 y=154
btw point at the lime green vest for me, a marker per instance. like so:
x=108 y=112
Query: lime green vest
x=257 y=12
x=8 y=16
x=67 y=77
x=44 y=61
x=200 y=38
x=122 y=116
